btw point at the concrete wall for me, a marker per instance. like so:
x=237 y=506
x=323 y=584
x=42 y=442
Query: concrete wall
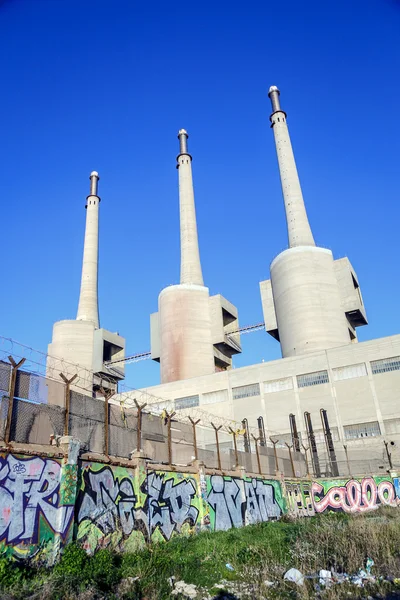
x=126 y=504
x=352 y=394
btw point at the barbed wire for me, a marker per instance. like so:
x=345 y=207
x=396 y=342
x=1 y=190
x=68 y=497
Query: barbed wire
x=49 y=367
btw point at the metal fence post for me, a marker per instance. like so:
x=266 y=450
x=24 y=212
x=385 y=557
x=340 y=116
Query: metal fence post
x=305 y=456
x=291 y=458
x=67 y=399
x=246 y=436
x=169 y=418
x=235 y=447
x=216 y=429
x=257 y=452
x=389 y=455
x=274 y=442
x=194 y=423
x=139 y=424
x=107 y=394
x=11 y=393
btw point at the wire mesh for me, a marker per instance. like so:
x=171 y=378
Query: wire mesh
x=39 y=413
x=86 y=421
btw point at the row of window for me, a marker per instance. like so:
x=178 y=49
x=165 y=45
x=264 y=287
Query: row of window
x=279 y=385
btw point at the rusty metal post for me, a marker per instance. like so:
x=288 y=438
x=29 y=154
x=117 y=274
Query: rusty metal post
x=347 y=459
x=107 y=394
x=67 y=399
x=294 y=432
x=261 y=431
x=194 y=423
x=274 y=442
x=305 y=456
x=235 y=447
x=169 y=438
x=139 y=424
x=246 y=437
x=11 y=393
x=216 y=429
x=291 y=458
x=313 y=445
x=389 y=455
x=257 y=452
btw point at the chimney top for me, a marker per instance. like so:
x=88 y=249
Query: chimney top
x=94 y=179
x=183 y=137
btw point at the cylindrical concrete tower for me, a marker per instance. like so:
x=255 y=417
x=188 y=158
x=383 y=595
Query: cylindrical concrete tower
x=88 y=309
x=186 y=348
x=305 y=289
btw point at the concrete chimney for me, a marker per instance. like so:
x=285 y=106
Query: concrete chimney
x=88 y=309
x=190 y=256
x=299 y=230
x=306 y=301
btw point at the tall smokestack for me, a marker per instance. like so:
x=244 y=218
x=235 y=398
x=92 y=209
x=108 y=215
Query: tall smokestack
x=190 y=256
x=88 y=309
x=299 y=230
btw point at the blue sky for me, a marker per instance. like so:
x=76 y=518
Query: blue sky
x=105 y=85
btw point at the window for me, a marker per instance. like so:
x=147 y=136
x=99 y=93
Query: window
x=386 y=364
x=214 y=397
x=244 y=391
x=362 y=430
x=278 y=385
x=349 y=372
x=312 y=378
x=186 y=402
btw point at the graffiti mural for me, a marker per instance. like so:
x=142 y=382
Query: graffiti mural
x=236 y=502
x=35 y=505
x=299 y=499
x=127 y=507
x=170 y=502
x=353 y=495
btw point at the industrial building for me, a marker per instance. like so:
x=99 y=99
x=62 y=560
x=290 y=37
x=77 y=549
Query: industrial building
x=82 y=341
x=312 y=306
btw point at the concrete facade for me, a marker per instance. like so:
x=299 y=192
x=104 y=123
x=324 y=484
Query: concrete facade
x=358 y=385
x=190 y=332
x=311 y=303
x=80 y=346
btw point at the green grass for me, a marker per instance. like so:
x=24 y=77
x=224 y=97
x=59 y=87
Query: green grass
x=257 y=553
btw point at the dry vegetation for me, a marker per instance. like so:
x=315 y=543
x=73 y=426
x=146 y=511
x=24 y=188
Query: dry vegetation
x=258 y=554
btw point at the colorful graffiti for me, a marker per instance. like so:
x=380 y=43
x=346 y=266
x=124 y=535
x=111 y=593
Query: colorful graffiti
x=353 y=495
x=128 y=507
x=36 y=503
x=235 y=502
x=299 y=499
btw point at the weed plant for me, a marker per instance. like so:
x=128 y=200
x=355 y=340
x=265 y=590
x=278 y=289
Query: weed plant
x=258 y=554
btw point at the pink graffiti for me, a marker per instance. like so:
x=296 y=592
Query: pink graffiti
x=355 y=496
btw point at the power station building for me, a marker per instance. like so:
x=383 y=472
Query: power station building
x=82 y=344
x=312 y=306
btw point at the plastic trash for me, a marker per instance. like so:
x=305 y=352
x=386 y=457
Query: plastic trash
x=268 y=583
x=229 y=566
x=325 y=577
x=368 y=565
x=295 y=576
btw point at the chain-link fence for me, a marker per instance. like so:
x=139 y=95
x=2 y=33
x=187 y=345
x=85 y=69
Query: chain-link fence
x=37 y=410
